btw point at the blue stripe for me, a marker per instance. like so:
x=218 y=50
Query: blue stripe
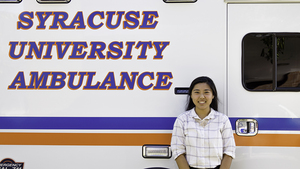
x=88 y=123
x=127 y=123
x=273 y=123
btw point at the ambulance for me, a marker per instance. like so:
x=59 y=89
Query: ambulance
x=99 y=83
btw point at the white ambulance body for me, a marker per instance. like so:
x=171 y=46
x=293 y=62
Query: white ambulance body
x=98 y=84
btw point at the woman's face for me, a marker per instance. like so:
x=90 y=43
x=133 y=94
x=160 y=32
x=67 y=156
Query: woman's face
x=202 y=96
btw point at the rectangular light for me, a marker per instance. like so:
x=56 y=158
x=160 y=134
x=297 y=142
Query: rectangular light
x=157 y=151
x=10 y=1
x=179 y=1
x=53 y=1
x=181 y=90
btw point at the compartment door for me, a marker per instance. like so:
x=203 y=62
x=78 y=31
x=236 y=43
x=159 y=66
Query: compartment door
x=274 y=146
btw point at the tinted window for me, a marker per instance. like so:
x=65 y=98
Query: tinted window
x=271 y=61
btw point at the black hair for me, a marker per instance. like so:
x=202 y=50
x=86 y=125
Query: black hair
x=211 y=84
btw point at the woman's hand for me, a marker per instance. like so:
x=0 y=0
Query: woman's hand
x=181 y=162
x=226 y=162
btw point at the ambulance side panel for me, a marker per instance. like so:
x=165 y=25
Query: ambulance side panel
x=50 y=123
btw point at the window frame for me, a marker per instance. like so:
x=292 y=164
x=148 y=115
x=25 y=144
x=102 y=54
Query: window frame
x=275 y=36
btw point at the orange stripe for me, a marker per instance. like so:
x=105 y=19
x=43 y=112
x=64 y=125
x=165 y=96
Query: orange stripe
x=134 y=139
x=281 y=140
x=109 y=139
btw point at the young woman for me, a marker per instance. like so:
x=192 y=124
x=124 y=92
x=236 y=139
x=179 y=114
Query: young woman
x=202 y=137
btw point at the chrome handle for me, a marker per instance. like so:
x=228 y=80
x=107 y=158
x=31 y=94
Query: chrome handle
x=246 y=127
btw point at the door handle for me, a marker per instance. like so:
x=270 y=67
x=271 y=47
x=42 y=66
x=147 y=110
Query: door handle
x=246 y=127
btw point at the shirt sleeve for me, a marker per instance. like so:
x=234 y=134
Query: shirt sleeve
x=228 y=139
x=178 y=139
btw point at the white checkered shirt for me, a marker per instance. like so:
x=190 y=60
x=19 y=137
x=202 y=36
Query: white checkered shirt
x=203 y=141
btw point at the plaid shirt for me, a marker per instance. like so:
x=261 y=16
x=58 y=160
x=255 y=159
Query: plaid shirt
x=203 y=141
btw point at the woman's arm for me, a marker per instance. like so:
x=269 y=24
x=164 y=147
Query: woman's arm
x=228 y=145
x=226 y=162
x=181 y=162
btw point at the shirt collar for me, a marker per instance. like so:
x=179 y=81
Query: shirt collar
x=211 y=115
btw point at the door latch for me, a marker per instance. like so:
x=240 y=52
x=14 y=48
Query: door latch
x=246 y=127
